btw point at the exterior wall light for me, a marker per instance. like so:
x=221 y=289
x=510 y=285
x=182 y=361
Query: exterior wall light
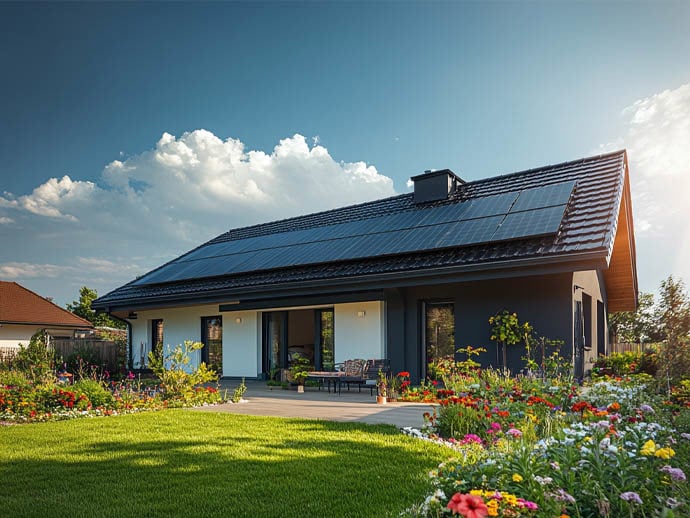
x=238 y=320
x=361 y=314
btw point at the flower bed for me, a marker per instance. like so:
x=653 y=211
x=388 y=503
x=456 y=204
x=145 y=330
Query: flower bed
x=608 y=449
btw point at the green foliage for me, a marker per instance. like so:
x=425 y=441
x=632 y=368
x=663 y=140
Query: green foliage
x=95 y=391
x=468 y=365
x=82 y=308
x=177 y=377
x=300 y=368
x=238 y=392
x=622 y=364
x=674 y=318
x=640 y=326
x=507 y=330
x=36 y=360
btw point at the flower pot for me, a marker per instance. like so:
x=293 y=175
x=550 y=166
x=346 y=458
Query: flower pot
x=380 y=400
x=300 y=389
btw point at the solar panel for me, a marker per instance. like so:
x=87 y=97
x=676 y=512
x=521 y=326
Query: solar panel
x=547 y=196
x=530 y=223
x=506 y=216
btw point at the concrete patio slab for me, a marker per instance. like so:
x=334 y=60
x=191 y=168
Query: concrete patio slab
x=314 y=404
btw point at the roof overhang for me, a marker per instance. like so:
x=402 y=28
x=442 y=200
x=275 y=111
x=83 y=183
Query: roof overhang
x=621 y=275
x=244 y=297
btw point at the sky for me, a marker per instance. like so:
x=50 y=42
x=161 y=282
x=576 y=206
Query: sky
x=133 y=132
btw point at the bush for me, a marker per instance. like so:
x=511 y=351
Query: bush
x=36 y=360
x=95 y=391
x=180 y=381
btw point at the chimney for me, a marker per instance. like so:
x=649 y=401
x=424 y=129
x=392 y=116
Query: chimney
x=435 y=185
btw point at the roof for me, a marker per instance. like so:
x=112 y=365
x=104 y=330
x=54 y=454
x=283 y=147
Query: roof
x=565 y=212
x=19 y=305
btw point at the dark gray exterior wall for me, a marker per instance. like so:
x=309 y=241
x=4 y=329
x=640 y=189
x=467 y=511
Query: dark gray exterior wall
x=546 y=301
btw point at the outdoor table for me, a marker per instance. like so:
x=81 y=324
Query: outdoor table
x=327 y=377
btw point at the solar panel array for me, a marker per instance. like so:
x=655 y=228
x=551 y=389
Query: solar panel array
x=506 y=216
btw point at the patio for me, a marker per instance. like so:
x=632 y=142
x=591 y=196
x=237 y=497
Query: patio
x=314 y=404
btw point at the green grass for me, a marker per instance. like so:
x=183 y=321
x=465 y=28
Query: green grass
x=186 y=463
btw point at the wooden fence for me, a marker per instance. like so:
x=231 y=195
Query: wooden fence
x=106 y=351
x=626 y=347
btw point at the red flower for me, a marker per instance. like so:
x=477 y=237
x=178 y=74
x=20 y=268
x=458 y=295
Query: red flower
x=468 y=506
x=404 y=374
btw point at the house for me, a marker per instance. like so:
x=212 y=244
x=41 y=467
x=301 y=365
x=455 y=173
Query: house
x=23 y=313
x=409 y=278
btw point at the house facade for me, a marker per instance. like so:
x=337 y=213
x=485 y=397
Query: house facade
x=410 y=278
x=23 y=313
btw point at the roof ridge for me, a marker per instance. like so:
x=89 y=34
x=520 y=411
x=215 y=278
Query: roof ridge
x=582 y=160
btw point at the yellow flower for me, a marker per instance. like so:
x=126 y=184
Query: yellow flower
x=492 y=511
x=648 y=448
x=665 y=453
x=476 y=492
x=517 y=477
x=492 y=503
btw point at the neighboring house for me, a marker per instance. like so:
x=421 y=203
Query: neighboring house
x=23 y=312
x=409 y=278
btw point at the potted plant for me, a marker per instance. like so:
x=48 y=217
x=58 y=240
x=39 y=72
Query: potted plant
x=299 y=371
x=382 y=388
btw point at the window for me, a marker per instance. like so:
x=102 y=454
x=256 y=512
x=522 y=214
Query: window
x=157 y=337
x=212 y=338
x=439 y=334
x=587 y=320
x=601 y=329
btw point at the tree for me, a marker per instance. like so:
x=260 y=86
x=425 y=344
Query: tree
x=82 y=308
x=673 y=314
x=640 y=326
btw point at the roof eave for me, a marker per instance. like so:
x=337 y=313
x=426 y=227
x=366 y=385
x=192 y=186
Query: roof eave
x=557 y=263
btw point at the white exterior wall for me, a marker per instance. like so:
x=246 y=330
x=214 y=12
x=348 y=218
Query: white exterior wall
x=11 y=335
x=355 y=336
x=179 y=324
x=241 y=344
x=359 y=337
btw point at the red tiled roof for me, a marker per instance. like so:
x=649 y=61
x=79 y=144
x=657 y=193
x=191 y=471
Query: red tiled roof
x=19 y=305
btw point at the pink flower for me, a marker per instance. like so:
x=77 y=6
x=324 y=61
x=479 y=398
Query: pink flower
x=469 y=506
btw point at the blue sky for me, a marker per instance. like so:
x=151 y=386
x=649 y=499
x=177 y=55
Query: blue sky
x=359 y=96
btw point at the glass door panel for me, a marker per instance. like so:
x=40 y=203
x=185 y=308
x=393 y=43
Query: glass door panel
x=439 y=334
x=325 y=359
x=212 y=338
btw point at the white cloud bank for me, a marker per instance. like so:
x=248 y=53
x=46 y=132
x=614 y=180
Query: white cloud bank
x=658 y=142
x=157 y=204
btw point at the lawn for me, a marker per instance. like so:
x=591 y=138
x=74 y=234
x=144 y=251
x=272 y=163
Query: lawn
x=186 y=463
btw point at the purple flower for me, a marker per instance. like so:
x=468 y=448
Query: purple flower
x=561 y=496
x=646 y=408
x=685 y=436
x=631 y=496
x=514 y=432
x=675 y=473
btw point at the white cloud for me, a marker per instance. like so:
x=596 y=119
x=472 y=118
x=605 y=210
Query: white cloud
x=31 y=271
x=159 y=203
x=658 y=142
x=5 y=221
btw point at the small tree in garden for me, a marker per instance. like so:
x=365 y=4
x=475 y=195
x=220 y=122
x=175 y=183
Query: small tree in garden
x=175 y=373
x=673 y=315
x=506 y=330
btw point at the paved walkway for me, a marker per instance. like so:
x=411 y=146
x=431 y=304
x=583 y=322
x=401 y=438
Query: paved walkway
x=315 y=404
